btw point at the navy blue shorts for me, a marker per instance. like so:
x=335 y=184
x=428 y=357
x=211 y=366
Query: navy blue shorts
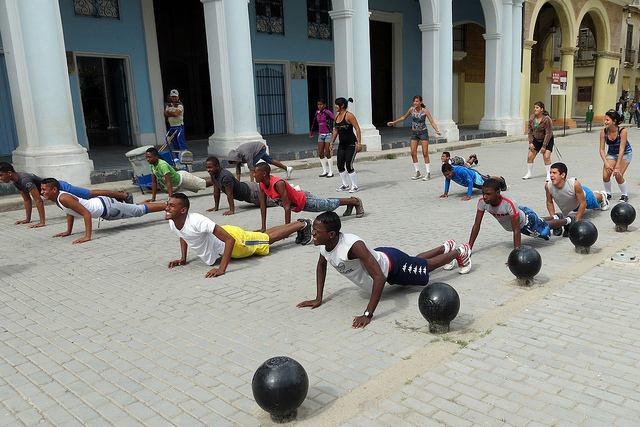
x=404 y=269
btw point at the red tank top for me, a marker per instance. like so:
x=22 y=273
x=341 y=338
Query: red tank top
x=298 y=198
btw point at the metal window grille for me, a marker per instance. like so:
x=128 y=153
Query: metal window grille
x=586 y=45
x=269 y=17
x=272 y=116
x=97 y=8
x=318 y=19
x=460 y=38
x=629 y=53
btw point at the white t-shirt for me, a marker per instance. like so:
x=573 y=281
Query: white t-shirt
x=353 y=269
x=94 y=206
x=198 y=233
x=176 y=120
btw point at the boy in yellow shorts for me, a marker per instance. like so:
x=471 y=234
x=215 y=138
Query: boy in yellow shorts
x=211 y=241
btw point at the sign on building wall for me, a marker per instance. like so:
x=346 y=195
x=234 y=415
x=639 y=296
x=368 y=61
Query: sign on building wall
x=558 y=82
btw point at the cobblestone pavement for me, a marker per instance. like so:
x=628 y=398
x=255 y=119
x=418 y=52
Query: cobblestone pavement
x=103 y=333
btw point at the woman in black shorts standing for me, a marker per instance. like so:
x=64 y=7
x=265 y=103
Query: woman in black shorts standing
x=349 y=145
x=540 y=139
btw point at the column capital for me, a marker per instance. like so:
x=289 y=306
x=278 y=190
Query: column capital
x=528 y=44
x=492 y=36
x=518 y=3
x=607 y=54
x=569 y=50
x=341 y=14
x=209 y=1
x=433 y=26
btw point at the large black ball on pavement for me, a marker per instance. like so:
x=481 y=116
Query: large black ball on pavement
x=279 y=386
x=583 y=234
x=622 y=215
x=524 y=262
x=439 y=303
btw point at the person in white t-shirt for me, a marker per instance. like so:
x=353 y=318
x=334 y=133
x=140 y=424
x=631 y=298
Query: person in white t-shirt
x=211 y=241
x=370 y=268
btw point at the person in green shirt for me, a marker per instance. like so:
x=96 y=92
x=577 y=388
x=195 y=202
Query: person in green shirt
x=167 y=177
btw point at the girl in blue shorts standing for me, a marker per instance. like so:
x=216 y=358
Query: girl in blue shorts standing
x=618 y=155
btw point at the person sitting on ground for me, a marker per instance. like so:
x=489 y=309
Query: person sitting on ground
x=293 y=200
x=29 y=186
x=211 y=241
x=571 y=196
x=223 y=180
x=514 y=218
x=168 y=178
x=467 y=178
x=371 y=268
x=459 y=160
x=95 y=207
x=251 y=153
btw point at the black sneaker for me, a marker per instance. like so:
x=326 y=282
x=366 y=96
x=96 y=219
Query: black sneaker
x=129 y=198
x=475 y=159
x=503 y=184
x=299 y=237
x=624 y=198
x=558 y=231
x=305 y=233
x=608 y=196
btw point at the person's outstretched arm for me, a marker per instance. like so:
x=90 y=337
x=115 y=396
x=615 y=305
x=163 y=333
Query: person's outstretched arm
x=229 y=241
x=401 y=119
x=359 y=250
x=321 y=275
x=582 y=200
x=515 y=225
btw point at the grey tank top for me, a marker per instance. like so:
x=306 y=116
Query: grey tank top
x=419 y=120
x=565 y=197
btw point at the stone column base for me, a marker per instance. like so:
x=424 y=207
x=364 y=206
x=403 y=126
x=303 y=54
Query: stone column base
x=220 y=145
x=371 y=138
x=513 y=125
x=448 y=129
x=68 y=163
x=566 y=122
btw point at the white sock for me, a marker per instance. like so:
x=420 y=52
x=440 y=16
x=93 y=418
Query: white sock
x=568 y=220
x=530 y=168
x=548 y=168
x=343 y=177
x=416 y=167
x=428 y=166
x=623 y=188
x=329 y=165
x=354 y=182
x=323 y=162
x=607 y=187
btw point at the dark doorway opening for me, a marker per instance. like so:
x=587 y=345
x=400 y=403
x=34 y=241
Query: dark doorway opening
x=319 y=86
x=105 y=101
x=381 y=72
x=184 y=64
x=270 y=95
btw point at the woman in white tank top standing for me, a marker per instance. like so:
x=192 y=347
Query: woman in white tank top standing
x=419 y=132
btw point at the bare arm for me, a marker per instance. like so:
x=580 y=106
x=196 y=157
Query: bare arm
x=401 y=119
x=321 y=275
x=353 y=121
x=550 y=207
x=183 y=260
x=154 y=188
x=228 y=190
x=39 y=206
x=623 y=144
x=72 y=203
x=28 y=206
x=167 y=180
x=515 y=225
x=229 y=241
x=603 y=155
x=359 y=250
x=431 y=121
x=476 y=228
x=263 y=210
x=582 y=200
x=281 y=188
x=69 y=228
x=216 y=199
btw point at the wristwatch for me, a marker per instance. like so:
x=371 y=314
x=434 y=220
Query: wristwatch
x=368 y=314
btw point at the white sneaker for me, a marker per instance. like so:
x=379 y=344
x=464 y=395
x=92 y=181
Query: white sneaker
x=342 y=188
x=449 y=245
x=450 y=265
x=289 y=170
x=604 y=205
x=354 y=190
x=464 y=259
x=527 y=176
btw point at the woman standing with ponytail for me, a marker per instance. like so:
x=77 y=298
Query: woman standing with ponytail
x=419 y=132
x=349 y=145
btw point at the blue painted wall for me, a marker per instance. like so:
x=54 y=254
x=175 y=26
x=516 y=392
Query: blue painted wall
x=108 y=36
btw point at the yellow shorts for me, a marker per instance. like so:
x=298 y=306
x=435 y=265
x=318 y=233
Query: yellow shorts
x=247 y=242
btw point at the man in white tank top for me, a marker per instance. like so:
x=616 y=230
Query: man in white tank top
x=96 y=207
x=570 y=195
x=371 y=268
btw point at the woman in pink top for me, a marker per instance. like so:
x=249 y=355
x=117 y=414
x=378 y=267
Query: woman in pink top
x=323 y=122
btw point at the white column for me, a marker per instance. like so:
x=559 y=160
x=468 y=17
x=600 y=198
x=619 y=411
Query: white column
x=40 y=92
x=492 y=83
x=516 y=62
x=505 y=60
x=352 y=58
x=429 y=66
x=155 y=75
x=444 y=113
x=231 y=75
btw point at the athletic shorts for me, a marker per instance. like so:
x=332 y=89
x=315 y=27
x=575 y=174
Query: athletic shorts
x=592 y=202
x=419 y=135
x=317 y=204
x=324 y=137
x=537 y=145
x=536 y=226
x=83 y=193
x=191 y=182
x=479 y=179
x=262 y=155
x=247 y=242
x=114 y=209
x=626 y=157
x=404 y=269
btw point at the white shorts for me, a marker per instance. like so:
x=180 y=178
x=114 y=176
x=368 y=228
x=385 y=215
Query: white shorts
x=191 y=182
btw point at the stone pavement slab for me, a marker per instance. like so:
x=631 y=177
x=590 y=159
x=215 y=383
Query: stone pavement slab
x=103 y=333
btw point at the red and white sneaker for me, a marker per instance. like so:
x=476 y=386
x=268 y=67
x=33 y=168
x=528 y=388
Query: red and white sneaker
x=449 y=245
x=464 y=259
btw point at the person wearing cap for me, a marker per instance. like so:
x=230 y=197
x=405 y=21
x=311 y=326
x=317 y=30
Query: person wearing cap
x=174 y=112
